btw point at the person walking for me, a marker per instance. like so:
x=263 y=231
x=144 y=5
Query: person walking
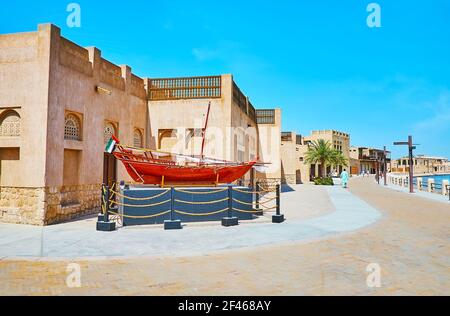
x=344 y=178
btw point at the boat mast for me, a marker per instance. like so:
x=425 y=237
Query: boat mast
x=204 y=131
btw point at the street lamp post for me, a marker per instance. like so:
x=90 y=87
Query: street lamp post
x=411 y=148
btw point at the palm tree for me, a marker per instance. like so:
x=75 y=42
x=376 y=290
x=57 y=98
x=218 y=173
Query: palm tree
x=320 y=151
x=338 y=159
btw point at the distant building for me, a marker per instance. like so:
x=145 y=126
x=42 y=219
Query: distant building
x=291 y=166
x=294 y=148
x=367 y=160
x=422 y=165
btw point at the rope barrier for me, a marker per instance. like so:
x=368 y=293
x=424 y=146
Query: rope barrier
x=202 y=203
x=201 y=214
x=143 y=216
x=200 y=193
x=267 y=197
x=268 y=201
x=140 y=206
x=266 y=190
x=247 y=192
x=241 y=202
x=269 y=209
x=244 y=211
x=139 y=199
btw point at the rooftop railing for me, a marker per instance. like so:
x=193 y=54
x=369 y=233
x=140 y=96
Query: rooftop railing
x=185 y=88
x=265 y=116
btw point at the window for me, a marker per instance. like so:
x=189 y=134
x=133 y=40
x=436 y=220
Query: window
x=72 y=127
x=109 y=130
x=137 y=138
x=265 y=116
x=10 y=124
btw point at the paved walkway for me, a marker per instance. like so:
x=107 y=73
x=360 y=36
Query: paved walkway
x=81 y=240
x=410 y=243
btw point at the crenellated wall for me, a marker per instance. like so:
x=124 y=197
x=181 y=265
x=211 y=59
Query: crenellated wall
x=75 y=57
x=44 y=76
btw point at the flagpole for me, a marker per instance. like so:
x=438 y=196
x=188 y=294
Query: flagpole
x=204 y=131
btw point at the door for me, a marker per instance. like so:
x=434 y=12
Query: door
x=298 y=176
x=312 y=172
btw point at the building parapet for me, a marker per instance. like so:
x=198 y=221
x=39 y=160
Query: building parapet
x=209 y=87
x=337 y=133
x=265 y=116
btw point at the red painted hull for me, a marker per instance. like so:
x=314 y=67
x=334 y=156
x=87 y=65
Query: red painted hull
x=151 y=171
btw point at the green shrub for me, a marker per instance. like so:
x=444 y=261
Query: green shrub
x=323 y=181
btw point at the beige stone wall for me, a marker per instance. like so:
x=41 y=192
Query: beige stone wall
x=24 y=75
x=230 y=129
x=269 y=148
x=43 y=78
x=22 y=205
x=181 y=115
x=43 y=206
x=289 y=159
x=68 y=202
x=73 y=83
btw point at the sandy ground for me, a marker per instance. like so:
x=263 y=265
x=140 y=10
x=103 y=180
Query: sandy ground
x=410 y=243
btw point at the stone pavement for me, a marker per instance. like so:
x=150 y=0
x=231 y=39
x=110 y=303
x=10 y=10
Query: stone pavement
x=410 y=243
x=81 y=240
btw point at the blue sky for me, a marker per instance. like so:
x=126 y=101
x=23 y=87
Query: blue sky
x=317 y=60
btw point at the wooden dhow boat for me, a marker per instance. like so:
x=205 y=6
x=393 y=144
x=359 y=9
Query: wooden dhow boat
x=147 y=166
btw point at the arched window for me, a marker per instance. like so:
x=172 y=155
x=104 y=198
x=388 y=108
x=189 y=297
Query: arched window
x=10 y=124
x=72 y=127
x=137 y=138
x=110 y=130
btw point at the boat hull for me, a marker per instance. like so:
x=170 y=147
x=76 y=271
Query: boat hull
x=168 y=174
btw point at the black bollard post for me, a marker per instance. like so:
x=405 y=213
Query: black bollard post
x=278 y=217
x=105 y=225
x=172 y=223
x=101 y=215
x=106 y=215
x=258 y=211
x=230 y=220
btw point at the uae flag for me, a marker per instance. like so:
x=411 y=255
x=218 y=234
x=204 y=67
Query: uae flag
x=111 y=145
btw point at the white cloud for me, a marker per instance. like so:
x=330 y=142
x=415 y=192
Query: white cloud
x=440 y=113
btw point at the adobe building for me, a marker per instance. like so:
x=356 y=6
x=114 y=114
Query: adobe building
x=339 y=141
x=179 y=108
x=368 y=160
x=422 y=165
x=269 y=144
x=291 y=166
x=59 y=103
x=294 y=147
